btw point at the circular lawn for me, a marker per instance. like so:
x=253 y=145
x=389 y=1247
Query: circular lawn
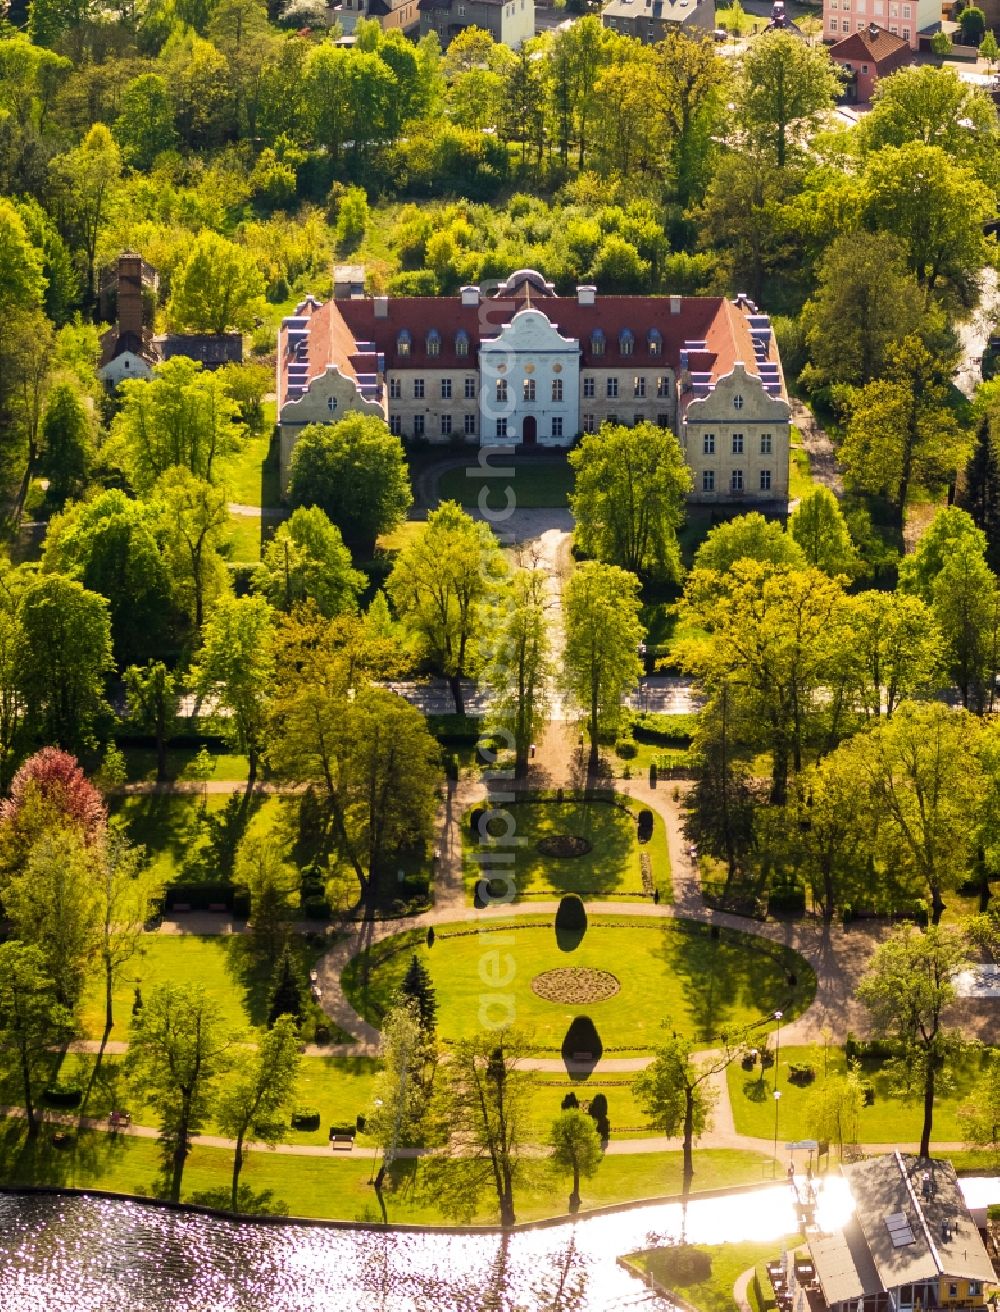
x=670 y=972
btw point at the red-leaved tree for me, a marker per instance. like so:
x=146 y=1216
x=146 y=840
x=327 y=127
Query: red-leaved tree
x=49 y=790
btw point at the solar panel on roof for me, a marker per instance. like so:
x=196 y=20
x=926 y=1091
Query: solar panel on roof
x=899 y=1229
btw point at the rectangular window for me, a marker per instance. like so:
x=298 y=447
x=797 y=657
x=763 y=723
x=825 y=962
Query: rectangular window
x=736 y=482
x=894 y=29
x=708 y=444
x=557 y=392
x=588 y=387
x=765 y=480
x=418 y=389
x=529 y=389
x=418 y=425
x=470 y=425
x=395 y=389
x=636 y=419
x=663 y=421
x=639 y=387
x=612 y=388
x=906 y=11
x=973 y=1288
x=501 y=389
x=879 y=6
x=588 y=424
x=893 y=11
x=861 y=6
x=661 y=387
x=396 y=425
x=708 y=480
x=445 y=389
x=765 y=444
x=557 y=430
x=953 y=1291
x=446 y=425
x=470 y=389
x=906 y=34
x=737 y=444
x=612 y=419
x=501 y=428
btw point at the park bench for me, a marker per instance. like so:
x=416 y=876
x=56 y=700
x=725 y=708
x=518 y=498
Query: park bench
x=583 y=1056
x=181 y=906
x=119 y=1120
x=342 y=1142
x=217 y=906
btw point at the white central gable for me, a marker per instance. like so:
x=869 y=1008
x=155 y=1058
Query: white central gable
x=532 y=331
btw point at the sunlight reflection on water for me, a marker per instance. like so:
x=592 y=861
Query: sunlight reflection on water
x=62 y=1254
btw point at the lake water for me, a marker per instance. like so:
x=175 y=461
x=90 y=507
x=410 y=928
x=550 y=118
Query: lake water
x=87 y=1254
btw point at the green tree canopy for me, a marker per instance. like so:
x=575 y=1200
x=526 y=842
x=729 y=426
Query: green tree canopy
x=628 y=499
x=217 y=289
x=32 y=1021
x=306 y=560
x=748 y=537
x=64 y=656
x=445 y=586
x=819 y=527
x=576 y=1147
x=520 y=665
x=68 y=445
x=356 y=472
x=182 y=417
x=111 y=544
x=783 y=88
x=603 y=632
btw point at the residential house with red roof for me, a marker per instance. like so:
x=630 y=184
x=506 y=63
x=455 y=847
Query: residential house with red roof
x=523 y=366
x=868 y=56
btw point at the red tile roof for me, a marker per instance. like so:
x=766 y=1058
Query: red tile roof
x=338 y=328
x=872 y=43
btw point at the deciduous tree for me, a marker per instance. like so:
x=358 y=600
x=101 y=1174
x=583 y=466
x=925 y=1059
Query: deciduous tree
x=575 y=1146
x=907 y=989
x=783 y=88
x=819 y=527
x=178 y=1049
x=32 y=1021
x=445 y=585
x=236 y=668
x=195 y=520
x=306 y=560
x=152 y=706
x=482 y=1097
x=748 y=537
x=603 y=632
x=258 y=1092
x=64 y=656
x=88 y=176
x=356 y=472
x=628 y=499
x=520 y=665
x=217 y=289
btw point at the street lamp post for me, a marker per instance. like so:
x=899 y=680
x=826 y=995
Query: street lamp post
x=774 y=1164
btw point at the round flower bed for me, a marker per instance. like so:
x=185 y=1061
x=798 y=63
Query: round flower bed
x=575 y=985
x=564 y=845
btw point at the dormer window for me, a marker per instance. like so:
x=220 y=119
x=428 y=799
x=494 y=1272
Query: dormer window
x=626 y=341
x=597 y=342
x=404 y=343
x=433 y=342
x=462 y=343
x=655 y=342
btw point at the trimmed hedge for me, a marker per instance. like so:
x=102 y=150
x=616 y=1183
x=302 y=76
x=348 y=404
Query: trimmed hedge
x=790 y=899
x=200 y=895
x=63 y=1095
x=305 y=1118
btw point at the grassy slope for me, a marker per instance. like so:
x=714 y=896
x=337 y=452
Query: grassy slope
x=533 y=485
x=669 y=971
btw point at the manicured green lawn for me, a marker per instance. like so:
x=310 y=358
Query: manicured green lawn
x=612 y=867
x=534 y=484
x=401 y=536
x=800 y=479
x=244 y=537
x=704 y=1274
x=337 y=1187
x=140 y=764
x=248 y=475
x=892 y=1118
x=193 y=837
x=670 y=971
x=628 y=1121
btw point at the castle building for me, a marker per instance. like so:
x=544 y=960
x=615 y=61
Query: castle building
x=522 y=366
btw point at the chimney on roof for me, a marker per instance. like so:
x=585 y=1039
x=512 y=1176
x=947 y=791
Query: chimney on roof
x=130 y=309
x=470 y=295
x=873 y=30
x=675 y=305
x=586 y=294
x=381 y=304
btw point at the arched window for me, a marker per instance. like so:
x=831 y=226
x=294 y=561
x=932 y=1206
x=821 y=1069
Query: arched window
x=626 y=341
x=462 y=343
x=655 y=342
x=597 y=342
x=433 y=342
x=403 y=343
